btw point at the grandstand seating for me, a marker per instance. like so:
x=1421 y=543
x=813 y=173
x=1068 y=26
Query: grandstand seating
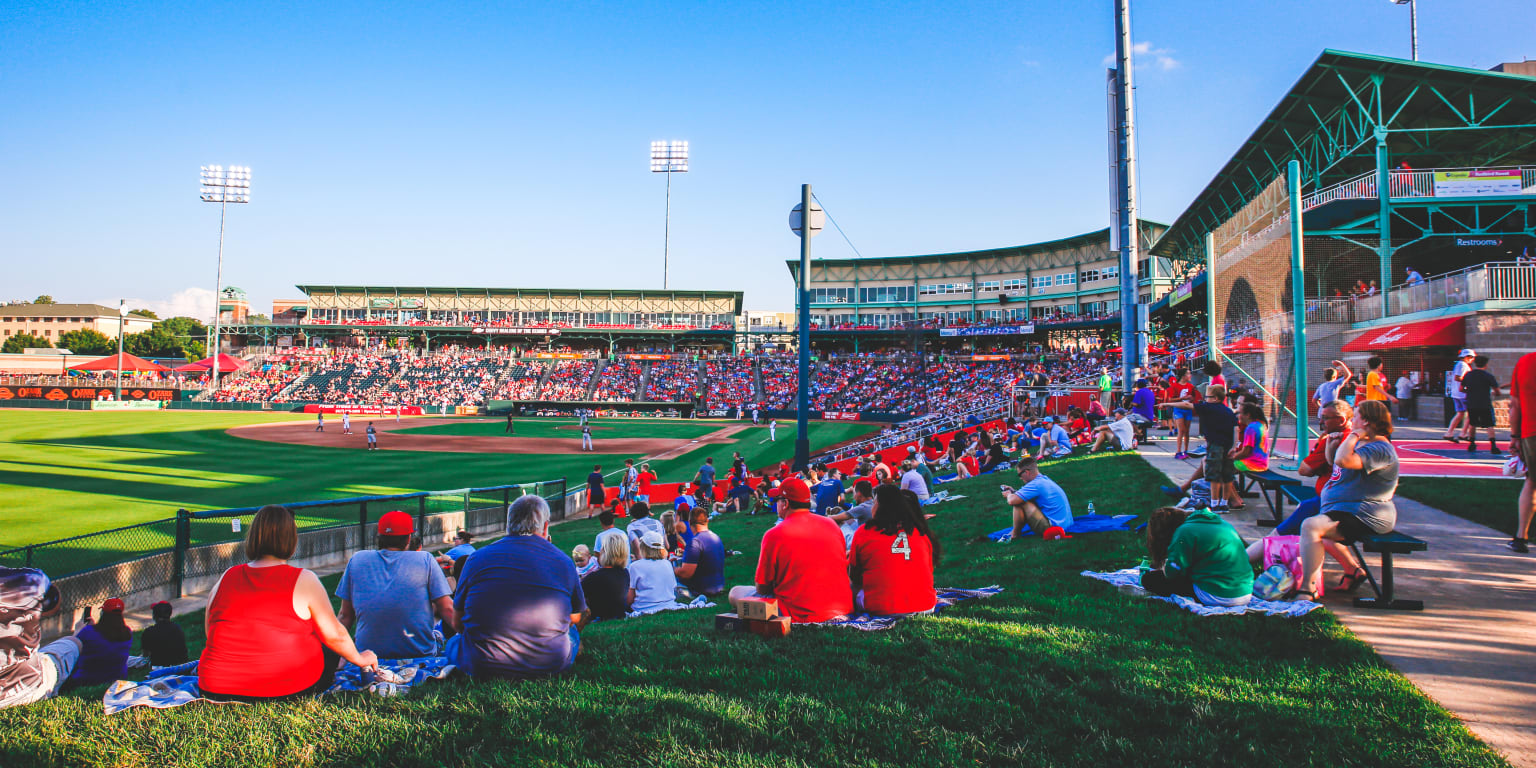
x=521 y=381
x=672 y=381
x=619 y=382
x=569 y=380
x=729 y=382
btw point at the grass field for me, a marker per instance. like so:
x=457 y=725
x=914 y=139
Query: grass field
x=569 y=429
x=1058 y=670
x=65 y=473
x=1484 y=500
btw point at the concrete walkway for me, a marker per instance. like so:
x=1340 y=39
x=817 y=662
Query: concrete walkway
x=1471 y=647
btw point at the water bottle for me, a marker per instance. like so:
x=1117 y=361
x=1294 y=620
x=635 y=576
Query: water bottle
x=1090 y=508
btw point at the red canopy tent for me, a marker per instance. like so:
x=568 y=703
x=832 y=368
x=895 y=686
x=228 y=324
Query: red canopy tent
x=226 y=364
x=130 y=363
x=1247 y=345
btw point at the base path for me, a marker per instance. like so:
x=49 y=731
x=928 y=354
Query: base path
x=390 y=439
x=1470 y=648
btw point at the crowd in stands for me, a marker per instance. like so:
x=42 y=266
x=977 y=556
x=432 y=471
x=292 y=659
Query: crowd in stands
x=619 y=383
x=729 y=381
x=452 y=376
x=521 y=381
x=673 y=381
x=569 y=380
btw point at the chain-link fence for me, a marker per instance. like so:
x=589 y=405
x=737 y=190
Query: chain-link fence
x=164 y=559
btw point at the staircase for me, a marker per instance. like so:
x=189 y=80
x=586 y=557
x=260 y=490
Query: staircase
x=645 y=381
x=597 y=375
x=758 y=393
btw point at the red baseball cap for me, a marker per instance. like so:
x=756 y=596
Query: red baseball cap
x=396 y=523
x=112 y=604
x=793 y=489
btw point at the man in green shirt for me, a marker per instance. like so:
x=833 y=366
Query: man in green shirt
x=1206 y=559
x=1105 y=385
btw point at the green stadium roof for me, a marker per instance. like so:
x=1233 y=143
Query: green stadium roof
x=611 y=292
x=1047 y=246
x=1435 y=116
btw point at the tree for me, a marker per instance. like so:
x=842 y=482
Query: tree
x=44 y=299
x=182 y=326
x=152 y=343
x=87 y=342
x=193 y=350
x=144 y=313
x=259 y=319
x=23 y=341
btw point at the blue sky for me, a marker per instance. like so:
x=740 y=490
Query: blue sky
x=438 y=144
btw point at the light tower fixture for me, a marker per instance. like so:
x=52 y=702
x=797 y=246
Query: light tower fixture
x=668 y=157
x=223 y=186
x=1413 y=23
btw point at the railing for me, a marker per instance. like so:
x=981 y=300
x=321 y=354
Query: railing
x=1484 y=282
x=163 y=559
x=1408 y=184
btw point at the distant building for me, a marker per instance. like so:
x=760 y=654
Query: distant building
x=234 y=307
x=51 y=321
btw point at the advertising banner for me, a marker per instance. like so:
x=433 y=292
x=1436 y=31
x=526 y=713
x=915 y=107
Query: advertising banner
x=1181 y=293
x=647 y=357
x=990 y=358
x=1491 y=182
x=840 y=415
x=558 y=355
x=58 y=394
x=990 y=330
x=365 y=410
x=125 y=405
x=517 y=331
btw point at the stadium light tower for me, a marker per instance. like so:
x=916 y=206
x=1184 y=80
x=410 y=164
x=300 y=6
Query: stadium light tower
x=223 y=186
x=668 y=157
x=1413 y=23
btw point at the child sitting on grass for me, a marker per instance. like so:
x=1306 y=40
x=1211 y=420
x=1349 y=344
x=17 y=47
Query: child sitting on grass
x=165 y=643
x=104 y=646
x=585 y=563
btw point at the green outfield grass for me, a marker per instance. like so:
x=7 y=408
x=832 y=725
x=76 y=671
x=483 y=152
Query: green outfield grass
x=65 y=473
x=1058 y=670
x=1490 y=501
x=569 y=428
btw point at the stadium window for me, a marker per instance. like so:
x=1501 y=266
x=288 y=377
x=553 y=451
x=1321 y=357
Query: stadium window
x=1066 y=278
x=989 y=286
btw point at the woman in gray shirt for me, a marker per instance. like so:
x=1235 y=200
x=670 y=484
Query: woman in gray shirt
x=1357 y=501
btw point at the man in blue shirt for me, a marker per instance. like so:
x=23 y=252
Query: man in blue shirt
x=702 y=570
x=706 y=479
x=1055 y=442
x=518 y=602
x=827 y=493
x=1040 y=502
x=389 y=595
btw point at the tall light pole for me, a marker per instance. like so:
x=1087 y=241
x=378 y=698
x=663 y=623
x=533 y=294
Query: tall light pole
x=223 y=186
x=1131 y=340
x=668 y=157
x=806 y=227
x=122 y=314
x=1413 y=23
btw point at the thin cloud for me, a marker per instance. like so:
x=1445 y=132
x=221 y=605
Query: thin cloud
x=1144 y=53
x=187 y=302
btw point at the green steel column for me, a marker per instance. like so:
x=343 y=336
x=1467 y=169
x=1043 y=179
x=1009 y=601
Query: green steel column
x=1210 y=295
x=1298 y=308
x=803 y=300
x=1384 y=220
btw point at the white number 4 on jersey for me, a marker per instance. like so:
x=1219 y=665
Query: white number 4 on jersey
x=901 y=547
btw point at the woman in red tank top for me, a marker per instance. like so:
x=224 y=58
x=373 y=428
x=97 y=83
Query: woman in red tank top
x=261 y=644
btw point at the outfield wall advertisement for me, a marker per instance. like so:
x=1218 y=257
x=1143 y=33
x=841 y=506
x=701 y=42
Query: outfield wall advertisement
x=366 y=410
x=59 y=394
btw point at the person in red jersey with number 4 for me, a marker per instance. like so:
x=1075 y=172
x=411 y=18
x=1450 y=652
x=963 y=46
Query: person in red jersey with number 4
x=891 y=561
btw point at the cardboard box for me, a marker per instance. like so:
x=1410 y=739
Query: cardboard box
x=777 y=626
x=760 y=608
x=730 y=622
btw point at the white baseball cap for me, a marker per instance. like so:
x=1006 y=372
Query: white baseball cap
x=1466 y=353
x=653 y=539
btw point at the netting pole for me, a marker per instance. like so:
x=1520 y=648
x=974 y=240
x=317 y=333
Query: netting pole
x=1298 y=309
x=421 y=516
x=362 y=525
x=1210 y=296
x=1384 y=221
x=183 y=543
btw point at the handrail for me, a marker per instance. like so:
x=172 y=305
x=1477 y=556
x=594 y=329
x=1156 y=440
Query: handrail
x=1405 y=183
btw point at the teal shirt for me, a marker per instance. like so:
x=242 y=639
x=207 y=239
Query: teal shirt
x=1208 y=550
x=1105 y=383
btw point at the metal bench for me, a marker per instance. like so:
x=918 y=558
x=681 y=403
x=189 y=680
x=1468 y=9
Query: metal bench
x=1387 y=544
x=1297 y=494
x=1269 y=484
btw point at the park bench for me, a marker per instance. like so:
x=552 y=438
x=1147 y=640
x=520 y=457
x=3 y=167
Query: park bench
x=1269 y=484
x=1297 y=494
x=1387 y=544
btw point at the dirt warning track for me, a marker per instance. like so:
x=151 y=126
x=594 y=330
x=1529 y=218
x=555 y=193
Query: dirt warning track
x=303 y=433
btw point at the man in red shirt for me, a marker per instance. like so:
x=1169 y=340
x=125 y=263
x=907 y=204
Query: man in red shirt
x=1522 y=440
x=803 y=562
x=643 y=481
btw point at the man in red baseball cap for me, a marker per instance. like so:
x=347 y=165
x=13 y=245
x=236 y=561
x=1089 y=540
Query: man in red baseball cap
x=389 y=595
x=804 y=561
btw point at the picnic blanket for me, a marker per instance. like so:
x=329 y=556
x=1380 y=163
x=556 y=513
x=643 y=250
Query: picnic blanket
x=941 y=497
x=1131 y=577
x=175 y=686
x=868 y=622
x=702 y=601
x=1080 y=524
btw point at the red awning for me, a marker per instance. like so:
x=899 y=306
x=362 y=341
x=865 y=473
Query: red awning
x=1444 y=332
x=1247 y=345
x=130 y=363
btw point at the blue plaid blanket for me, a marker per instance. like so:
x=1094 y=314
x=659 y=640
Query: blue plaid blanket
x=1080 y=524
x=175 y=686
x=872 y=623
x=1131 y=577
